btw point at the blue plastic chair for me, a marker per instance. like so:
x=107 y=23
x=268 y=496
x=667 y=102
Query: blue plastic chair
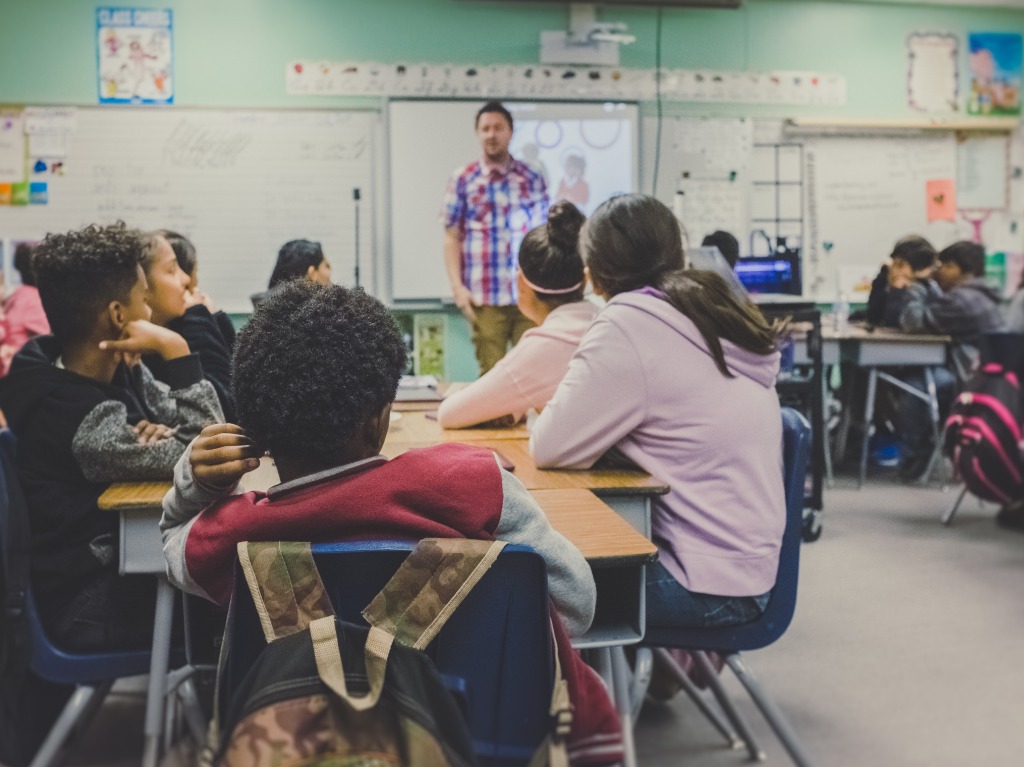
x=93 y=674
x=730 y=641
x=495 y=653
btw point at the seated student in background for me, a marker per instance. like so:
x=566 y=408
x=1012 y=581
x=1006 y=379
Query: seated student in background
x=551 y=282
x=87 y=413
x=172 y=305
x=912 y=260
x=297 y=258
x=185 y=252
x=23 y=315
x=323 y=417
x=965 y=308
x=727 y=245
x=678 y=375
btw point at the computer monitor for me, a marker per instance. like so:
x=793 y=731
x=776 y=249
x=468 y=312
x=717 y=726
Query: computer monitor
x=770 y=275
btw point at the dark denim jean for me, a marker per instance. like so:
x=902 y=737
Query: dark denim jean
x=112 y=613
x=672 y=605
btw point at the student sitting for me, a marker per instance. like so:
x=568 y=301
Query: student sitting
x=297 y=258
x=1015 y=310
x=173 y=307
x=678 y=375
x=185 y=252
x=316 y=370
x=23 y=315
x=727 y=245
x=550 y=282
x=912 y=260
x=966 y=308
x=86 y=413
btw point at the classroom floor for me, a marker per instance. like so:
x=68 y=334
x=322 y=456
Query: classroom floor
x=906 y=648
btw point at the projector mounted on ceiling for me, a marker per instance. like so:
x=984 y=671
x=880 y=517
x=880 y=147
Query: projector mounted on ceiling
x=588 y=40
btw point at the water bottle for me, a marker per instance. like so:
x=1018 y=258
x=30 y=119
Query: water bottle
x=841 y=314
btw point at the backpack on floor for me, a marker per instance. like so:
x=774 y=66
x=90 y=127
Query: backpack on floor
x=983 y=436
x=328 y=692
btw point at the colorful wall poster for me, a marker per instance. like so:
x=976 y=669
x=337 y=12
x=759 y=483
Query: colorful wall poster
x=995 y=73
x=429 y=345
x=940 y=201
x=134 y=56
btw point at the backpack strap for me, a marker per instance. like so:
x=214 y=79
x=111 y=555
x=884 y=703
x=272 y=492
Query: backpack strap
x=324 y=633
x=552 y=751
x=285 y=586
x=428 y=587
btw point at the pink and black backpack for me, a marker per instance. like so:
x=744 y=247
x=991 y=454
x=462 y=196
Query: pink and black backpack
x=983 y=435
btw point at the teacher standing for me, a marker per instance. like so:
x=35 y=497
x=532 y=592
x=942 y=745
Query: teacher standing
x=489 y=206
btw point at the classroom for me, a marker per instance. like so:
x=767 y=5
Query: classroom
x=850 y=173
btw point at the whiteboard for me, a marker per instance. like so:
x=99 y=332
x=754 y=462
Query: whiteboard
x=238 y=183
x=863 y=194
x=429 y=140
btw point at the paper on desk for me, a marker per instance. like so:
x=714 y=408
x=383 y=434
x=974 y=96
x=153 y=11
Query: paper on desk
x=417 y=382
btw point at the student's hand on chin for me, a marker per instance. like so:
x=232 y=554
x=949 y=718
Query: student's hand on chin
x=221 y=455
x=140 y=337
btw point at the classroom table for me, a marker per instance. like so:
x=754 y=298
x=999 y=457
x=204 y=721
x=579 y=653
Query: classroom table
x=418 y=427
x=874 y=349
x=616 y=552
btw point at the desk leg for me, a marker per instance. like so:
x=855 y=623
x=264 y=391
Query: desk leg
x=933 y=412
x=869 y=414
x=158 y=663
x=624 y=703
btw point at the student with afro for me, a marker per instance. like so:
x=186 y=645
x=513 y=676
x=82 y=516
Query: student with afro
x=315 y=373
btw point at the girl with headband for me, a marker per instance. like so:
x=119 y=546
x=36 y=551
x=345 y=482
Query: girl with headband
x=550 y=281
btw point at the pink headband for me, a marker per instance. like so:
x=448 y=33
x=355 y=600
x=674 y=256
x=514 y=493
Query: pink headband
x=550 y=291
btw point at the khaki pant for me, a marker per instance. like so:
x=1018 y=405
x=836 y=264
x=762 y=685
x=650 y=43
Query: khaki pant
x=493 y=329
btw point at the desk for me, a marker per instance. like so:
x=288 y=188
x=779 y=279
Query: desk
x=617 y=555
x=880 y=348
x=414 y=427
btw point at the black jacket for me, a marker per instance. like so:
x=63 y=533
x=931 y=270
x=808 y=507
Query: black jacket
x=204 y=333
x=74 y=438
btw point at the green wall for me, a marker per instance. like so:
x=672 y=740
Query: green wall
x=233 y=52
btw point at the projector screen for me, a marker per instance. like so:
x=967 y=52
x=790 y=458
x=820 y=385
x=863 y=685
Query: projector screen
x=586 y=151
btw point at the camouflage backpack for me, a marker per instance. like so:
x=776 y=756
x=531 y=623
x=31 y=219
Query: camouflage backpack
x=328 y=692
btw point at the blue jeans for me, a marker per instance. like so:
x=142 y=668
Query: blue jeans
x=672 y=605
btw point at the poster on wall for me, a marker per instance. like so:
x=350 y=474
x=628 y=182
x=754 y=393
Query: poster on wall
x=995 y=73
x=932 y=84
x=134 y=56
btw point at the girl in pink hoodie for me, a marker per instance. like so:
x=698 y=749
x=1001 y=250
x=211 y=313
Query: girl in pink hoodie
x=678 y=376
x=550 y=281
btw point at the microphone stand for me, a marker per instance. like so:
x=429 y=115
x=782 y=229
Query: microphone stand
x=355 y=199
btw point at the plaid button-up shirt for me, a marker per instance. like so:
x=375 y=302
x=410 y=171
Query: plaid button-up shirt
x=493 y=208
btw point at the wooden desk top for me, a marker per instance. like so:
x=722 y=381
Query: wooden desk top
x=884 y=335
x=602 y=536
x=416 y=428
x=604 y=481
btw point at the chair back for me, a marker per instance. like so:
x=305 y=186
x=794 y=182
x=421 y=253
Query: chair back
x=49 y=662
x=495 y=653
x=796 y=441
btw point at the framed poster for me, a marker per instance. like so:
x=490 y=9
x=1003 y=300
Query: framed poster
x=134 y=56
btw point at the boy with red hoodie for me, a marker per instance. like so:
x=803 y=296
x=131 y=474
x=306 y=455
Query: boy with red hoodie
x=315 y=372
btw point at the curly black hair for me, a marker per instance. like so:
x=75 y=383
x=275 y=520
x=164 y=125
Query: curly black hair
x=79 y=273
x=311 y=367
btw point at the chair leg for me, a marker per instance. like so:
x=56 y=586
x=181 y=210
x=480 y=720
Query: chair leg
x=778 y=722
x=691 y=690
x=947 y=517
x=642 y=666
x=193 y=712
x=746 y=734
x=623 y=704
x=80 y=703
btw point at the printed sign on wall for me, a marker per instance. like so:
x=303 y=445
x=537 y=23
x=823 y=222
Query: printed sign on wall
x=134 y=56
